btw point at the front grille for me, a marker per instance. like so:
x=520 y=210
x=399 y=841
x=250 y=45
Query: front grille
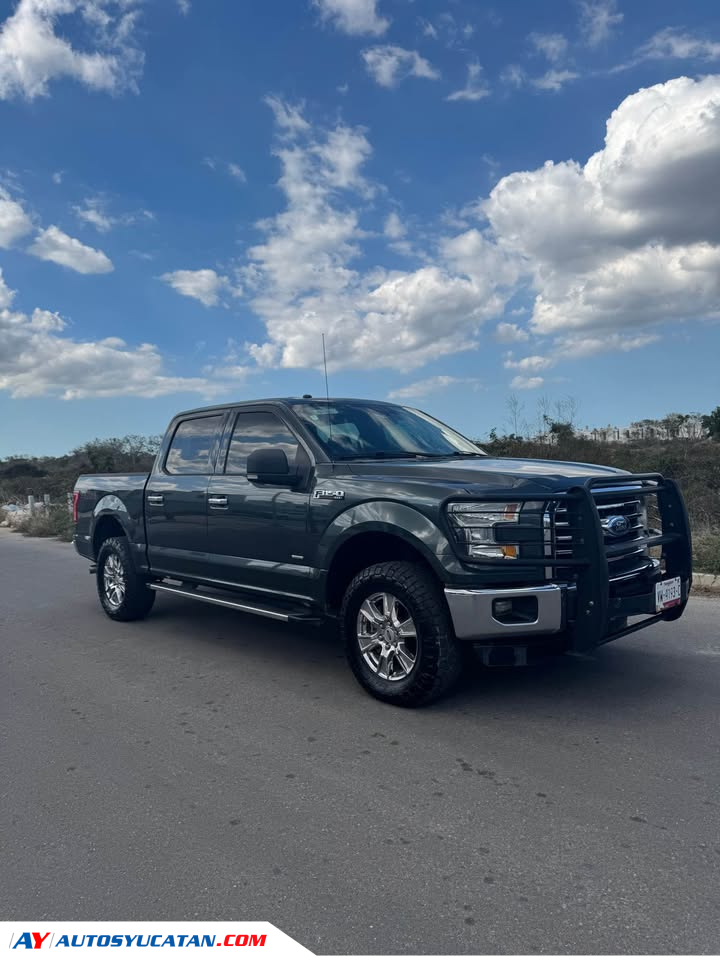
x=622 y=512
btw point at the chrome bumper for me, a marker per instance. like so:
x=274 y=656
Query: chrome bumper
x=473 y=617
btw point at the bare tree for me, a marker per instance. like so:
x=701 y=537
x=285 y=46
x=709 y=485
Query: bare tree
x=515 y=408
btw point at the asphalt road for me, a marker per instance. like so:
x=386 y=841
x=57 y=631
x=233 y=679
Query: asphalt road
x=207 y=765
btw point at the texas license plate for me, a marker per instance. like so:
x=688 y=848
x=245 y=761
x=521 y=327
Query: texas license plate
x=668 y=593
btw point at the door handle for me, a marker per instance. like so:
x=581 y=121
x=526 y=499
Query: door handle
x=217 y=503
x=155 y=499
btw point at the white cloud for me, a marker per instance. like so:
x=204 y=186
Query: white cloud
x=32 y=54
x=526 y=383
x=184 y=7
x=54 y=245
x=422 y=388
x=237 y=172
x=57 y=177
x=598 y=19
x=475 y=87
x=6 y=294
x=203 y=285
x=14 y=222
x=533 y=363
x=39 y=358
x=302 y=280
x=510 y=333
x=353 y=16
x=92 y=212
x=631 y=238
x=389 y=64
x=670 y=44
x=394 y=227
x=552 y=46
x=554 y=79
x=288 y=119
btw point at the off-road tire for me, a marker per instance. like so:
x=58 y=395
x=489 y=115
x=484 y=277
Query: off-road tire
x=137 y=598
x=440 y=656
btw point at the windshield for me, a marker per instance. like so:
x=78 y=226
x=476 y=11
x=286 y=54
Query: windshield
x=355 y=430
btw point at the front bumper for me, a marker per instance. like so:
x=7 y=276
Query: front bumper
x=477 y=614
x=474 y=612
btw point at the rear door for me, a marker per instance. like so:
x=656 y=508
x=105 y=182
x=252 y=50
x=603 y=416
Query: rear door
x=257 y=533
x=176 y=497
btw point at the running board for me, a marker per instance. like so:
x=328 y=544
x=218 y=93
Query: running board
x=222 y=602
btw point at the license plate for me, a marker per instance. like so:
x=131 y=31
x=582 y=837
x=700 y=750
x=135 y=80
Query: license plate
x=668 y=593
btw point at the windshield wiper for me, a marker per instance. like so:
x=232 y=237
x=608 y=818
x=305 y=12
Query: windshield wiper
x=406 y=455
x=385 y=455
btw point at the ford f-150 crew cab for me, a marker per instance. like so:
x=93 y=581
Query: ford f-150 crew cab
x=379 y=516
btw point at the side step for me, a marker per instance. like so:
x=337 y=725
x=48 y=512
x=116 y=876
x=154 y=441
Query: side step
x=242 y=605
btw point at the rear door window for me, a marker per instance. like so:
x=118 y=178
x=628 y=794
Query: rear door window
x=193 y=445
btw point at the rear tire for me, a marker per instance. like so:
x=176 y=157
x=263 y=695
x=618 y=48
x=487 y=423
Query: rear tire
x=398 y=635
x=123 y=594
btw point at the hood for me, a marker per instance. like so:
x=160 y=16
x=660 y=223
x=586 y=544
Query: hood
x=486 y=471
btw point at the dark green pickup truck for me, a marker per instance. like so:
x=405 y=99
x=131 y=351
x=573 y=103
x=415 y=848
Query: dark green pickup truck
x=381 y=517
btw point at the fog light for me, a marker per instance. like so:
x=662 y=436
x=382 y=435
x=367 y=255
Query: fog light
x=516 y=610
x=502 y=606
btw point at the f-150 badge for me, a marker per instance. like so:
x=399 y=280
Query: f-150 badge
x=329 y=495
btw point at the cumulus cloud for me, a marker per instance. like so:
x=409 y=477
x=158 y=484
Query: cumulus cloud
x=302 y=279
x=506 y=332
x=422 y=388
x=353 y=16
x=528 y=363
x=203 y=285
x=475 y=87
x=632 y=237
x=39 y=358
x=609 y=249
x=32 y=53
x=14 y=222
x=389 y=64
x=54 y=245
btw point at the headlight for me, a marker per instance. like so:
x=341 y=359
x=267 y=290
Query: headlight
x=498 y=531
x=485 y=530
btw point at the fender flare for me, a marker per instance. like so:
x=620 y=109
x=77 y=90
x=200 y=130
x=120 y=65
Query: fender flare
x=110 y=506
x=385 y=516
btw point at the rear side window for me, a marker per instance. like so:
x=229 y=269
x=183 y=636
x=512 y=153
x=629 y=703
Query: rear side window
x=192 y=445
x=254 y=430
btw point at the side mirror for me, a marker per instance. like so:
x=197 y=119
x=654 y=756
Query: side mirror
x=270 y=465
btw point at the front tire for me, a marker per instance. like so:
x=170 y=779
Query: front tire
x=123 y=594
x=398 y=637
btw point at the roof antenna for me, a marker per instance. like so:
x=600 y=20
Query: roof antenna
x=327 y=392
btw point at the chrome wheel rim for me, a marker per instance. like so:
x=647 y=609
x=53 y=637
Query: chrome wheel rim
x=114 y=581
x=387 y=636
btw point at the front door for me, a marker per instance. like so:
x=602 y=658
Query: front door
x=176 y=498
x=257 y=533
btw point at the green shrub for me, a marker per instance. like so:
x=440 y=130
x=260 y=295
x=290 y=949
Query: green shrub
x=53 y=521
x=706 y=551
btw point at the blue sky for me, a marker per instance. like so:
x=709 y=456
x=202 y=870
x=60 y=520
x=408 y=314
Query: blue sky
x=192 y=193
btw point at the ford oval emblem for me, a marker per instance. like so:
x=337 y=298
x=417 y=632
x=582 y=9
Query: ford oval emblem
x=617 y=526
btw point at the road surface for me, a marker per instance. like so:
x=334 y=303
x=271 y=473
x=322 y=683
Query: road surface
x=207 y=765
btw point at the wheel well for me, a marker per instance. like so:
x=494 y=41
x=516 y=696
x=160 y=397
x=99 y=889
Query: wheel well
x=105 y=528
x=361 y=551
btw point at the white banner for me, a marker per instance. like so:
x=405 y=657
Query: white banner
x=99 y=939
